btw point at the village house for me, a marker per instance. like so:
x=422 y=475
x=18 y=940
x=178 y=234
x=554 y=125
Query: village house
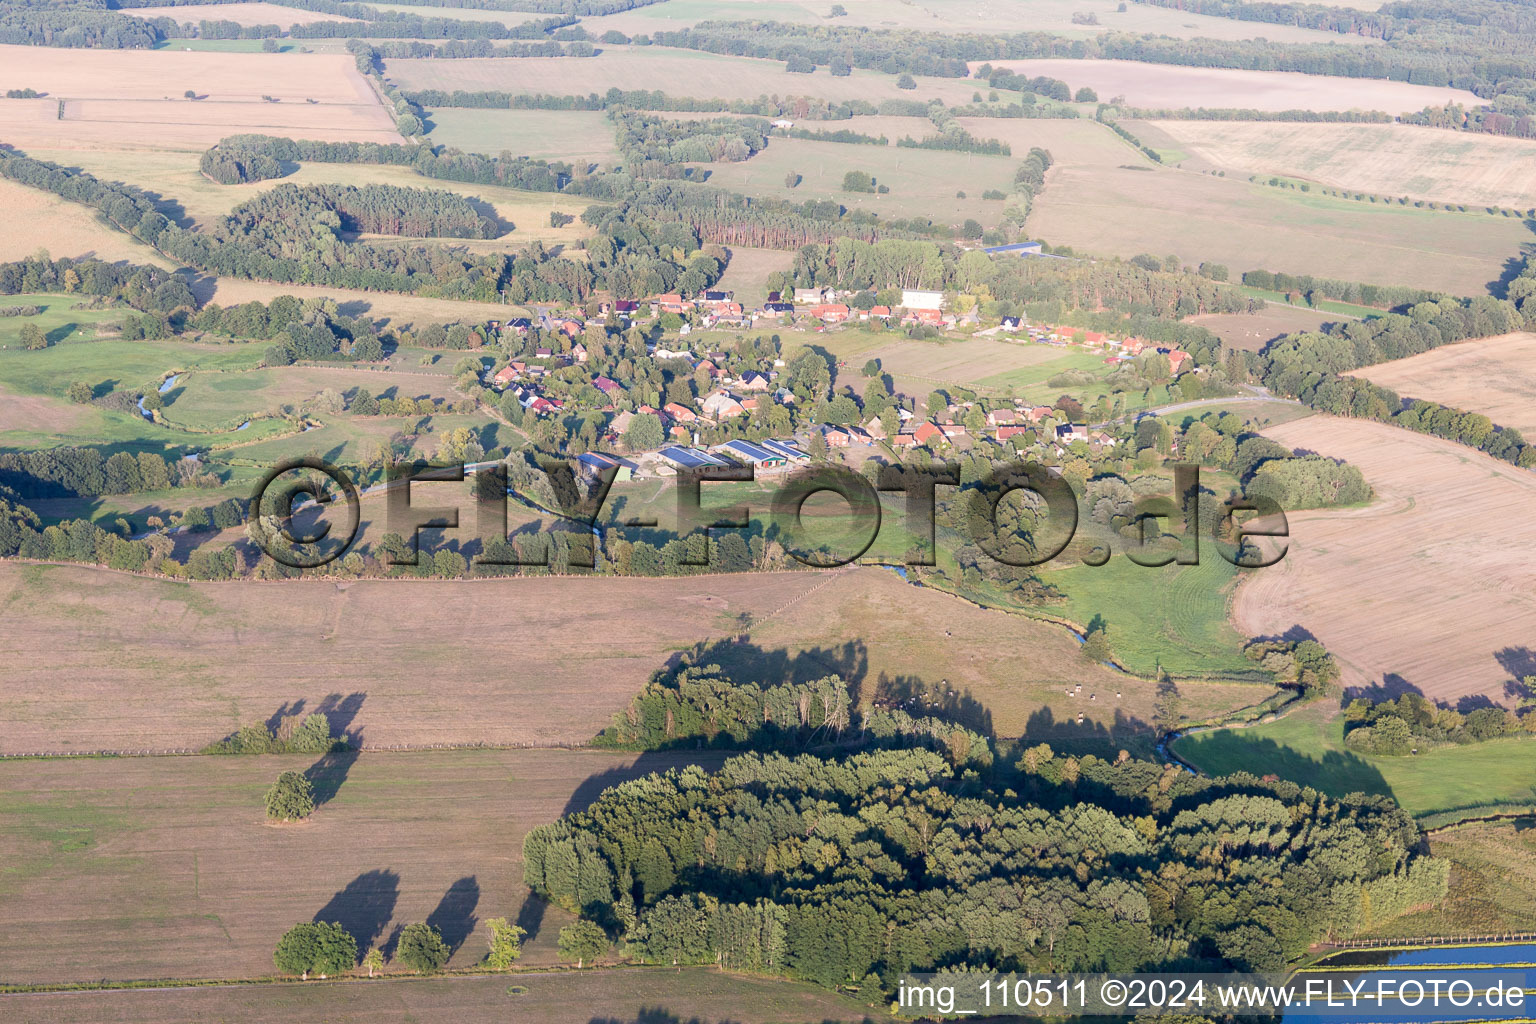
x=753 y=381
x=679 y=413
x=836 y=437
x=1003 y=417
x=721 y=405
x=1004 y=433
x=503 y=377
x=608 y=386
x=830 y=312
x=810 y=296
x=579 y=352
x=876 y=428
x=671 y=303
x=928 y=433
x=1179 y=361
x=620 y=423
x=1067 y=432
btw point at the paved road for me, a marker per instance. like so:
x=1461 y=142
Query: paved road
x=1248 y=393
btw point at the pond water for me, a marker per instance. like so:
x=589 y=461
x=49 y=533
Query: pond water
x=1426 y=967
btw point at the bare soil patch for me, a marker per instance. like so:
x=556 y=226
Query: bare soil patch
x=1426 y=588
x=1493 y=376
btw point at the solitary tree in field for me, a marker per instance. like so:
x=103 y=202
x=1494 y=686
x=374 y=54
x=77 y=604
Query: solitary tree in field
x=80 y=392
x=323 y=948
x=906 y=81
x=506 y=943
x=421 y=948
x=291 y=798
x=373 y=960
x=190 y=94
x=792 y=179
x=32 y=337
x=582 y=941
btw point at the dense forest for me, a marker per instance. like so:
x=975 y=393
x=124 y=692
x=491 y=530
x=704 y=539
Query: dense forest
x=850 y=866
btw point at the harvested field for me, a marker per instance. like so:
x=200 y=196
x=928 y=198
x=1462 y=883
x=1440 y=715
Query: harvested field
x=1166 y=85
x=239 y=13
x=949 y=16
x=1493 y=376
x=38 y=413
x=155 y=665
x=31 y=219
x=184 y=877
x=1387 y=159
x=747 y=273
x=923 y=182
x=1433 y=559
x=644 y=996
x=386 y=305
x=694 y=73
x=1250 y=332
x=1133 y=206
x=129 y=96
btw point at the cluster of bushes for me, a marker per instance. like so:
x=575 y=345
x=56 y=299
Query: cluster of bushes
x=22 y=94
x=1412 y=723
x=651 y=146
x=8 y=311
x=1304 y=664
x=312 y=735
x=953 y=136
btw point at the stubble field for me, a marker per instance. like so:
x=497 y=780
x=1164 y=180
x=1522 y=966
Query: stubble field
x=151 y=664
x=1424 y=588
x=1166 y=85
x=1250 y=332
x=134 y=97
x=1387 y=159
x=1493 y=376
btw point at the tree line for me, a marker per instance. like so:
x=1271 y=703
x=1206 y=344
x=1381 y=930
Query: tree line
x=244 y=158
x=1310 y=366
x=1315 y=289
x=1412 y=723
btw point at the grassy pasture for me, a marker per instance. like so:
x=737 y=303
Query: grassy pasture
x=1429 y=559
x=1388 y=159
x=212 y=400
x=104 y=853
x=1173 y=617
x=1493 y=376
x=684 y=72
x=747 y=273
x=1307 y=747
x=358 y=440
x=1166 y=85
x=923 y=182
x=568 y=135
x=652 y=996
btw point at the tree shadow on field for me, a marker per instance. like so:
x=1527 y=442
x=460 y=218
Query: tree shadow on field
x=1519 y=662
x=1391 y=687
x=1513 y=265
x=530 y=916
x=327 y=775
x=454 y=917
x=365 y=906
x=745 y=661
x=926 y=699
x=1336 y=773
x=341 y=711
